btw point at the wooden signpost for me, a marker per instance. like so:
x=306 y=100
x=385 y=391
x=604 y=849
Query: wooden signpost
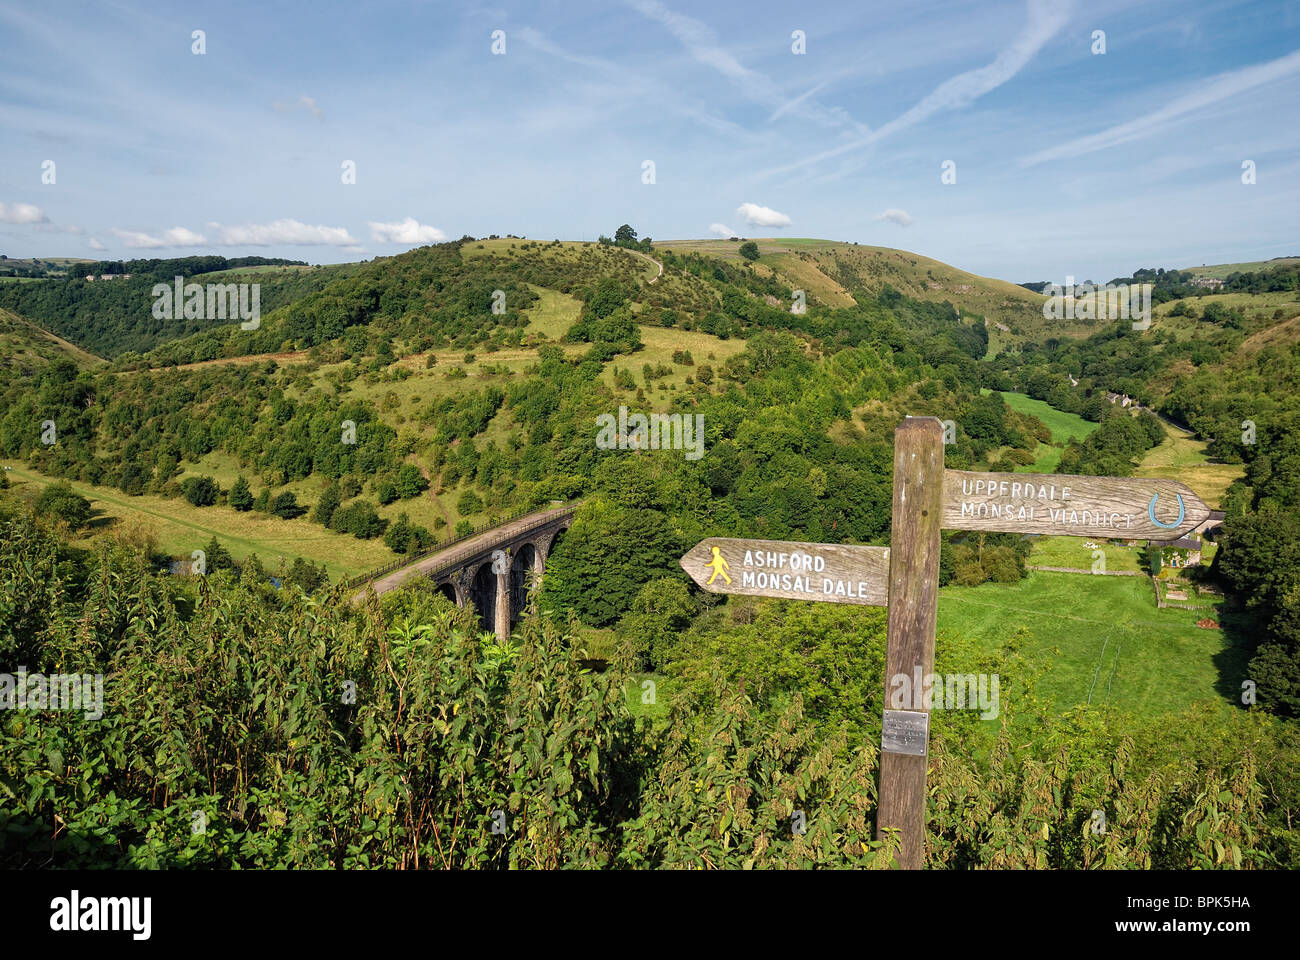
x=796 y=571
x=905 y=576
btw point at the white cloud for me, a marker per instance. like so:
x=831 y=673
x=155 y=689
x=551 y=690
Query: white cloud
x=722 y=230
x=894 y=215
x=95 y=244
x=760 y=216
x=135 y=240
x=22 y=213
x=175 y=237
x=181 y=237
x=408 y=231
x=289 y=232
x=302 y=103
x=1231 y=84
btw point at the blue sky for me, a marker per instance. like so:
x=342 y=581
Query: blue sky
x=1067 y=162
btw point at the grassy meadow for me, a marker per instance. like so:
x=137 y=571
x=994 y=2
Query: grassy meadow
x=1182 y=457
x=179 y=528
x=1098 y=640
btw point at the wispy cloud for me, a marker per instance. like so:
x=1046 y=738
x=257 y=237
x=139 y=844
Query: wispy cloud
x=1045 y=20
x=722 y=230
x=702 y=45
x=791 y=104
x=304 y=102
x=1219 y=88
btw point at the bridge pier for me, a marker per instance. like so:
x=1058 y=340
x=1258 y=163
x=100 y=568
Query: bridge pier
x=501 y=567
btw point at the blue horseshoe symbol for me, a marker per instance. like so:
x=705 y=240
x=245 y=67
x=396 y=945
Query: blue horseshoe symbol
x=1151 y=512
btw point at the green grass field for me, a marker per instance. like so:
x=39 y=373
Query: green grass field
x=1071 y=552
x=553 y=314
x=179 y=528
x=1064 y=426
x=1182 y=457
x=1098 y=640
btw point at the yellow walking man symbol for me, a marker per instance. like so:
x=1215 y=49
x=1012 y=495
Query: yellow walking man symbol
x=718 y=566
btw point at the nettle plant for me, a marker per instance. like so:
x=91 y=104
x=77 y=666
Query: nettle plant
x=249 y=727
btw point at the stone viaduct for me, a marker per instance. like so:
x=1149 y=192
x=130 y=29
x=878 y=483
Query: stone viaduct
x=493 y=569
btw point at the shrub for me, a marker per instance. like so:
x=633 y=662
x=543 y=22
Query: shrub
x=359 y=519
x=286 y=506
x=410 y=481
x=200 y=491
x=59 y=500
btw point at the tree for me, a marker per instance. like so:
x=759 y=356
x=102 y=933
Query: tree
x=307 y=575
x=200 y=491
x=59 y=500
x=406 y=537
x=749 y=250
x=386 y=491
x=240 y=497
x=328 y=503
x=359 y=519
x=398 y=534
x=410 y=481
x=600 y=565
x=216 y=557
x=286 y=506
x=661 y=611
x=469 y=503
x=625 y=234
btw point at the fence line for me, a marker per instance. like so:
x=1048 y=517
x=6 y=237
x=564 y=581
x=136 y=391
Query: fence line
x=491 y=524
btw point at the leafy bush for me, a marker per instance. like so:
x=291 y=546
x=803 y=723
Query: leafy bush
x=200 y=491
x=60 y=501
x=286 y=506
x=360 y=519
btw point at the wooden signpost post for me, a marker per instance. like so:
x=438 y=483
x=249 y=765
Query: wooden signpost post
x=905 y=576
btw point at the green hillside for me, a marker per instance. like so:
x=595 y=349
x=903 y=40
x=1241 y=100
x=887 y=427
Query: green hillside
x=116 y=317
x=1223 y=270
x=838 y=273
x=24 y=347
